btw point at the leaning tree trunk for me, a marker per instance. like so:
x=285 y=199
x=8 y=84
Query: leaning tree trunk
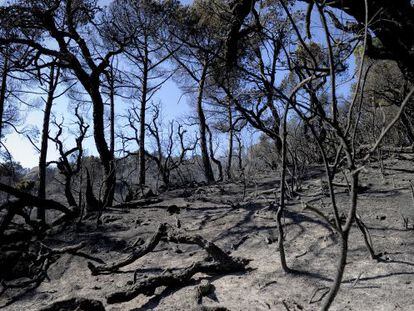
x=208 y=171
x=105 y=154
x=53 y=80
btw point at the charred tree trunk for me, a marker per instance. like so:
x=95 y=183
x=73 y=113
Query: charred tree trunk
x=111 y=177
x=105 y=155
x=165 y=177
x=213 y=158
x=239 y=153
x=230 y=147
x=92 y=203
x=111 y=81
x=344 y=235
x=53 y=81
x=3 y=92
x=281 y=209
x=68 y=191
x=208 y=171
x=142 y=177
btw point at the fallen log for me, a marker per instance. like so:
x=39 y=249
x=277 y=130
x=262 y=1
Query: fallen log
x=148 y=286
x=171 y=279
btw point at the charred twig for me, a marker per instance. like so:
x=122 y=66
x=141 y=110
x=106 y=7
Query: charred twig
x=367 y=236
x=357 y=279
x=317 y=290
